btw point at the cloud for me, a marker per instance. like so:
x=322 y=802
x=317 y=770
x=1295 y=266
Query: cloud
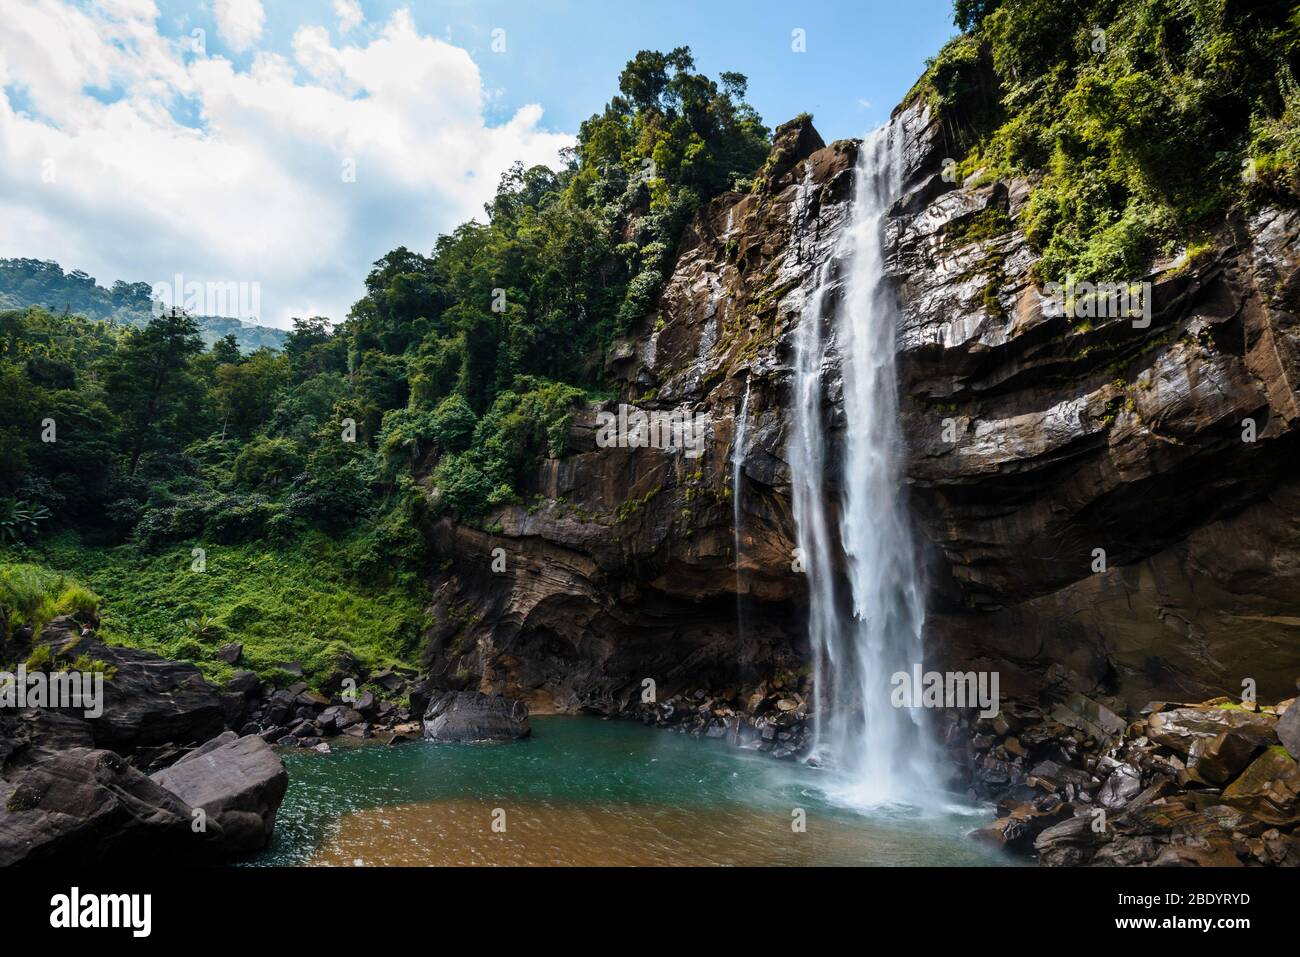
x=349 y=14
x=124 y=154
x=239 y=22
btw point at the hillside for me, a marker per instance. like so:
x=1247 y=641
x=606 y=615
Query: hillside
x=33 y=282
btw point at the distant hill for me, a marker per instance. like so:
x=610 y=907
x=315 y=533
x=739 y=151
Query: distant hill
x=37 y=282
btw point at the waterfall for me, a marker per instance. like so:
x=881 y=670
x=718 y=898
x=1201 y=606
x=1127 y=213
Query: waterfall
x=865 y=611
x=737 y=473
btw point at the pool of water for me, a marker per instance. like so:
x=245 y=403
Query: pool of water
x=583 y=791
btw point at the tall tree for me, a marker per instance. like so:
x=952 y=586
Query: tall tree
x=150 y=386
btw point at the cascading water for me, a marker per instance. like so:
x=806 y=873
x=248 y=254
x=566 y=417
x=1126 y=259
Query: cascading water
x=866 y=612
x=737 y=474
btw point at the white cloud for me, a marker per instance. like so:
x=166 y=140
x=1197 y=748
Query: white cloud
x=239 y=22
x=349 y=14
x=248 y=184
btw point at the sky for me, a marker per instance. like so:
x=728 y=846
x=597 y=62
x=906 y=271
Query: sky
x=285 y=146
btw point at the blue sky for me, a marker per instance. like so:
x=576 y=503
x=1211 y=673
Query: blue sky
x=132 y=151
x=567 y=54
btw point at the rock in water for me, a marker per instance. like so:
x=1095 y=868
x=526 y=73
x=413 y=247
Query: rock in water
x=474 y=716
x=238 y=782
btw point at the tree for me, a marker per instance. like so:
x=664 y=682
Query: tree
x=150 y=387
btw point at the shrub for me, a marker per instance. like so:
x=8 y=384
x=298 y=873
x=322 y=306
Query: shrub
x=453 y=423
x=78 y=601
x=267 y=463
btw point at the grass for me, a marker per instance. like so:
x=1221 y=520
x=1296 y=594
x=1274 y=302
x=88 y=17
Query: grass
x=291 y=604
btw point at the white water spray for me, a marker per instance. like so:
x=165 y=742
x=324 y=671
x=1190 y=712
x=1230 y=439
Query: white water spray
x=866 y=612
x=737 y=475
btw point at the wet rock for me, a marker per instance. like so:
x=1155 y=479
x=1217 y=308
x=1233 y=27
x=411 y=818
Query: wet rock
x=231 y=653
x=1021 y=826
x=474 y=716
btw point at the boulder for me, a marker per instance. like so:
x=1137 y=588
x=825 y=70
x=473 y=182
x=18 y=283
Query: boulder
x=238 y=782
x=1179 y=728
x=89 y=806
x=311 y=699
x=339 y=717
x=1091 y=717
x=474 y=716
x=1070 y=843
x=1123 y=785
x=388 y=679
x=1269 y=789
x=149 y=700
x=245 y=683
x=1288 y=729
x=231 y=653
x=1224 y=757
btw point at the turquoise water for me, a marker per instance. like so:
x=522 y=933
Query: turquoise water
x=587 y=791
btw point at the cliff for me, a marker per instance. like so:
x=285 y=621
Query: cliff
x=1033 y=440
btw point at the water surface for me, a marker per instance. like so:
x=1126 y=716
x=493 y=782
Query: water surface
x=584 y=791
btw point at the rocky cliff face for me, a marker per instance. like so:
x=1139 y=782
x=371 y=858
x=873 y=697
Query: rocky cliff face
x=1033 y=441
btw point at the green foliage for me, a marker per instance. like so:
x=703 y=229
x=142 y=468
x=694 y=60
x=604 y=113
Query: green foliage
x=26 y=283
x=77 y=601
x=452 y=425
x=203 y=629
x=313 y=468
x=267 y=463
x=302 y=604
x=31 y=594
x=20 y=521
x=1147 y=120
x=523 y=425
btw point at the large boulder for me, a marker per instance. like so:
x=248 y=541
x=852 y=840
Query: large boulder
x=238 y=782
x=149 y=700
x=474 y=716
x=88 y=805
x=1183 y=728
x=1269 y=789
